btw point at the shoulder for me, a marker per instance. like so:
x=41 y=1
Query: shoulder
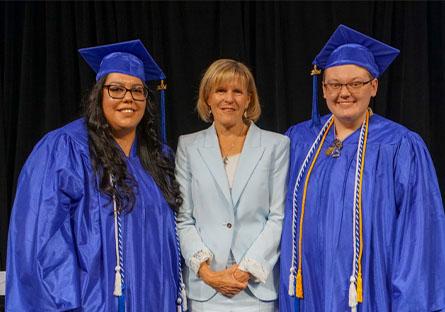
x=383 y=131
x=305 y=132
x=272 y=138
x=193 y=138
x=62 y=152
x=75 y=131
x=71 y=137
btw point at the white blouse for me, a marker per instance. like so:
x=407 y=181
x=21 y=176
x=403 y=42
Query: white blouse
x=230 y=165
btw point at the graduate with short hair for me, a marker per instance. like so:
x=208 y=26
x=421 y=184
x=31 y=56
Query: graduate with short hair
x=364 y=226
x=93 y=224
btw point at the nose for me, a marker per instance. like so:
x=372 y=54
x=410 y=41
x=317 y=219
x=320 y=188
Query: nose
x=228 y=97
x=127 y=96
x=344 y=91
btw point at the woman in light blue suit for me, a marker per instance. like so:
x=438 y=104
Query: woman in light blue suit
x=233 y=180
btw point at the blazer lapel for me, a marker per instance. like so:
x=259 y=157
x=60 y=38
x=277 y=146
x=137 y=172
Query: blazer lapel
x=249 y=158
x=211 y=155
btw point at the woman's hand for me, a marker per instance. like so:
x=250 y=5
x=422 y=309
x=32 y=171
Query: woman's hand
x=241 y=276
x=223 y=281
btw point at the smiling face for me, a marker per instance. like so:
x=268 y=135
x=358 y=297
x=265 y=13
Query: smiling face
x=348 y=108
x=123 y=115
x=228 y=101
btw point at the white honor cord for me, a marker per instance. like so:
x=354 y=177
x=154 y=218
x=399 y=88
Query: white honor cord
x=117 y=277
x=293 y=268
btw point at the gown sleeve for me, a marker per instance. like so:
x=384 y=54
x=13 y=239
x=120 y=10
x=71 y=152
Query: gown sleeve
x=418 y=277
x=42 y=267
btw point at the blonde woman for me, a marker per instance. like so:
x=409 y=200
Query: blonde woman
x=233 y=179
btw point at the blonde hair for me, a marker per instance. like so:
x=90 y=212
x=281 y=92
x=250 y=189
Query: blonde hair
x=219 y=72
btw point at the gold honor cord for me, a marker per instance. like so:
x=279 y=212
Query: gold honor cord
x=299 y=279
x=359 y=276
x=299 y=287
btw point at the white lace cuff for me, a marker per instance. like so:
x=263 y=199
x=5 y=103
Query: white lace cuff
x=254 y=268
x=199 y=257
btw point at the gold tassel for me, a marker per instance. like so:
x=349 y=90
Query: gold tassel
x=359 y=288
x=299 y=291
x=162 y=86
x=315 y=71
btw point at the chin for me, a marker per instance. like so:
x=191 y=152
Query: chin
x=124 y=127
x=229 y=122
x=349 y=118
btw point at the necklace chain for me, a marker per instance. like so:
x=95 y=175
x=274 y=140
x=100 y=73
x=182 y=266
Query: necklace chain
x=232 y=146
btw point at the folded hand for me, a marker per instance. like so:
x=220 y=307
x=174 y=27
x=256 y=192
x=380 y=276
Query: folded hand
x=241 y=276
x=223 y=281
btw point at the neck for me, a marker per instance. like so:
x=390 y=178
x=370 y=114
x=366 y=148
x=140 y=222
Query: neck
x=230 y=131
x=231 y=139
x=125 y=140
x=344 y=128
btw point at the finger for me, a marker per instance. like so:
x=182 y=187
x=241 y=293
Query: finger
x=231 y=283
x=231 y=289
x=232 y=268
x=244 y=277
x=239 y=284
x=241 y=275
x=231 y=293
x=228 y=295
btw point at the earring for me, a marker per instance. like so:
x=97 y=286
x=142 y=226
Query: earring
x=245 y=114
x=210 y=114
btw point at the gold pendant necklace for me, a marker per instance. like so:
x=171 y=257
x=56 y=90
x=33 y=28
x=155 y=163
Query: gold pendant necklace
x=334 y=149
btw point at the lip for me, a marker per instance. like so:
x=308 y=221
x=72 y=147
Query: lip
x=126 y=110
x=228 y=109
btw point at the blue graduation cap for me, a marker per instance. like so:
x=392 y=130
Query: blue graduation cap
x=348 y=46
x=128 y=57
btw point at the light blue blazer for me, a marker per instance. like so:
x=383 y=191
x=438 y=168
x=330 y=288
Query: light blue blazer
x=246 y=219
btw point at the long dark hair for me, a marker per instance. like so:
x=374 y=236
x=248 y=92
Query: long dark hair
x=108 y=160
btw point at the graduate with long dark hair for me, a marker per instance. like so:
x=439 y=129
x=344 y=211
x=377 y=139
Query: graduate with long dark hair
x=93 y=226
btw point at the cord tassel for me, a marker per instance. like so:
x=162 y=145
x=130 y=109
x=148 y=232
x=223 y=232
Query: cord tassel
x=359 y=288
x=184 y=298
x=299 y=285
x=291 y=282
x=352 y=293
x=117 y=282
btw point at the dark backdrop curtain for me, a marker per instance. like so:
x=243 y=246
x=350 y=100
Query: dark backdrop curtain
x=43 y=78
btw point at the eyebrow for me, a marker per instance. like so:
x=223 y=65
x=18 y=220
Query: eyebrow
x=352 y=79
x=123 y=83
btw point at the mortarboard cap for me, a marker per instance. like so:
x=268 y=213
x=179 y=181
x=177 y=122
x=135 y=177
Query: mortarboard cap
x=348 y=46
x=128 y=57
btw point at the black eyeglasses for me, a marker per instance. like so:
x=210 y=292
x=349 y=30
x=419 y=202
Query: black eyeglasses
x=138 y=93
x=351 y=86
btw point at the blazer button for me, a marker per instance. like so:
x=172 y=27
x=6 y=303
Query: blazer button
x=229 y=225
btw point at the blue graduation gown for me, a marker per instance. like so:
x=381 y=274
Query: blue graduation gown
x=403 y=223
x=61 y=246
